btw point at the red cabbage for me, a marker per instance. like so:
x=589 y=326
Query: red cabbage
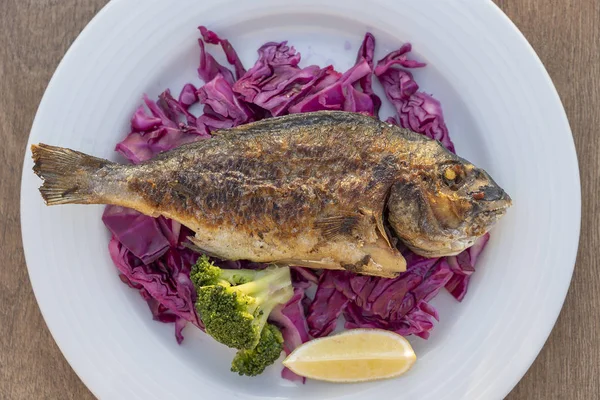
x=230 y=53
x=174 y=110
x=398 y=57
x=416 y=110
x=222 y=109
x=209 y=67
x=139 y=233
x=138 y=147
x=158 y=132
x=462 y=266
x=188 y=96
x=393 y=304
x=292 y=321
x=326 y=307
x=330 y=76
x=335 y=92
x=172 y=230
x=159 y=312
x=165 y=283
x=275 y=81
x=367 y=51
x=141 y=122
x=416 y=322
x=303 y=277
x=340 y=95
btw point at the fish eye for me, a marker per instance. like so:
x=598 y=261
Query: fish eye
x=450 y=174
x=453 y=176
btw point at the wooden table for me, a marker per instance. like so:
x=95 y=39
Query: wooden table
x=35 y=35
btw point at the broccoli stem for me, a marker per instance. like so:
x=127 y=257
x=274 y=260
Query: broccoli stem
x=235 y=304
x=270 y=288
x=267 y=305
x=238 y=276
x=265 y=284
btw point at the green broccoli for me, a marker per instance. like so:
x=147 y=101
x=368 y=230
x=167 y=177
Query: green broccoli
x=253 y=362
x=234 y=304
x=206 y=273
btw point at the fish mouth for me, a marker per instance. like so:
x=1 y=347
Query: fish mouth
x=493 y=196
x=487 y=217
x=495 y=205
x=493 y=212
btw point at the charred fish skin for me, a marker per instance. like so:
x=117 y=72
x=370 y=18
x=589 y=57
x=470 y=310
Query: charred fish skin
x=294 y=191
x=313 y=167
x=306 y=189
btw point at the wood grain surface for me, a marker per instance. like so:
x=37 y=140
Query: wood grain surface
x=34 y=35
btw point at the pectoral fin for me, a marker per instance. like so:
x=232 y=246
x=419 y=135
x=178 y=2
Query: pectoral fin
x=389 y=258
x=381 y=229
x=381 y=260
x=338 y=225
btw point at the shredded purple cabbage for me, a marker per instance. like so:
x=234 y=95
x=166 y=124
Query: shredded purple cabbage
x=222 y=109
x=209 y=68
x=138 y=233
x=160 y=131
x=292 y=321
x=327 y=305
x=148 y=251
x=275 y=81
x=188 y=96
x=230 y=53
x=415 y=110
x=165 y=283
x=342 y=94
x=367 y=52
x=463 y=266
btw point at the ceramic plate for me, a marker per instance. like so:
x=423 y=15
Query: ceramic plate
x=502 y=111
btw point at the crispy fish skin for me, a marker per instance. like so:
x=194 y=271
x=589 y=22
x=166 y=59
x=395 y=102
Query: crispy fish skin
x=305 y=189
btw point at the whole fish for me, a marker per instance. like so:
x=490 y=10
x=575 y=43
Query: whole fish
x=315 y=189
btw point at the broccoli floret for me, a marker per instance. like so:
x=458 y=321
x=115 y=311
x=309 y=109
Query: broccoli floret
x=205 y=273
x=234 y=304
x=253 y=362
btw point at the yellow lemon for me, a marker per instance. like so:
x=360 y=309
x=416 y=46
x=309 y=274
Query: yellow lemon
x=353 y=356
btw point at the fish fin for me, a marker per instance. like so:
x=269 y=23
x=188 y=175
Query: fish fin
x=339 y=225
x=380 y=260
x=193 y=244
x=369 y=267
x=388 y=258
x=67 y=174
x=378 y=217
x=381 y=229
x=314 y=264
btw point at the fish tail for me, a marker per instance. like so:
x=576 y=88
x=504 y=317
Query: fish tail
x=68 y=174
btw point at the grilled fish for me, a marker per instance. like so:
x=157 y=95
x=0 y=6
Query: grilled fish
x=315 y=189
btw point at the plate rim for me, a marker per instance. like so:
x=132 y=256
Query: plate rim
x=573 y=150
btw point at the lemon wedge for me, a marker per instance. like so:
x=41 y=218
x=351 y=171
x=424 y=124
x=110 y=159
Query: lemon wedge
x=356 y=355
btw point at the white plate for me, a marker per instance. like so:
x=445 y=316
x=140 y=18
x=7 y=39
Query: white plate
x=503 y=113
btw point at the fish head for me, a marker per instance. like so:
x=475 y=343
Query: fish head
x=445 y=205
